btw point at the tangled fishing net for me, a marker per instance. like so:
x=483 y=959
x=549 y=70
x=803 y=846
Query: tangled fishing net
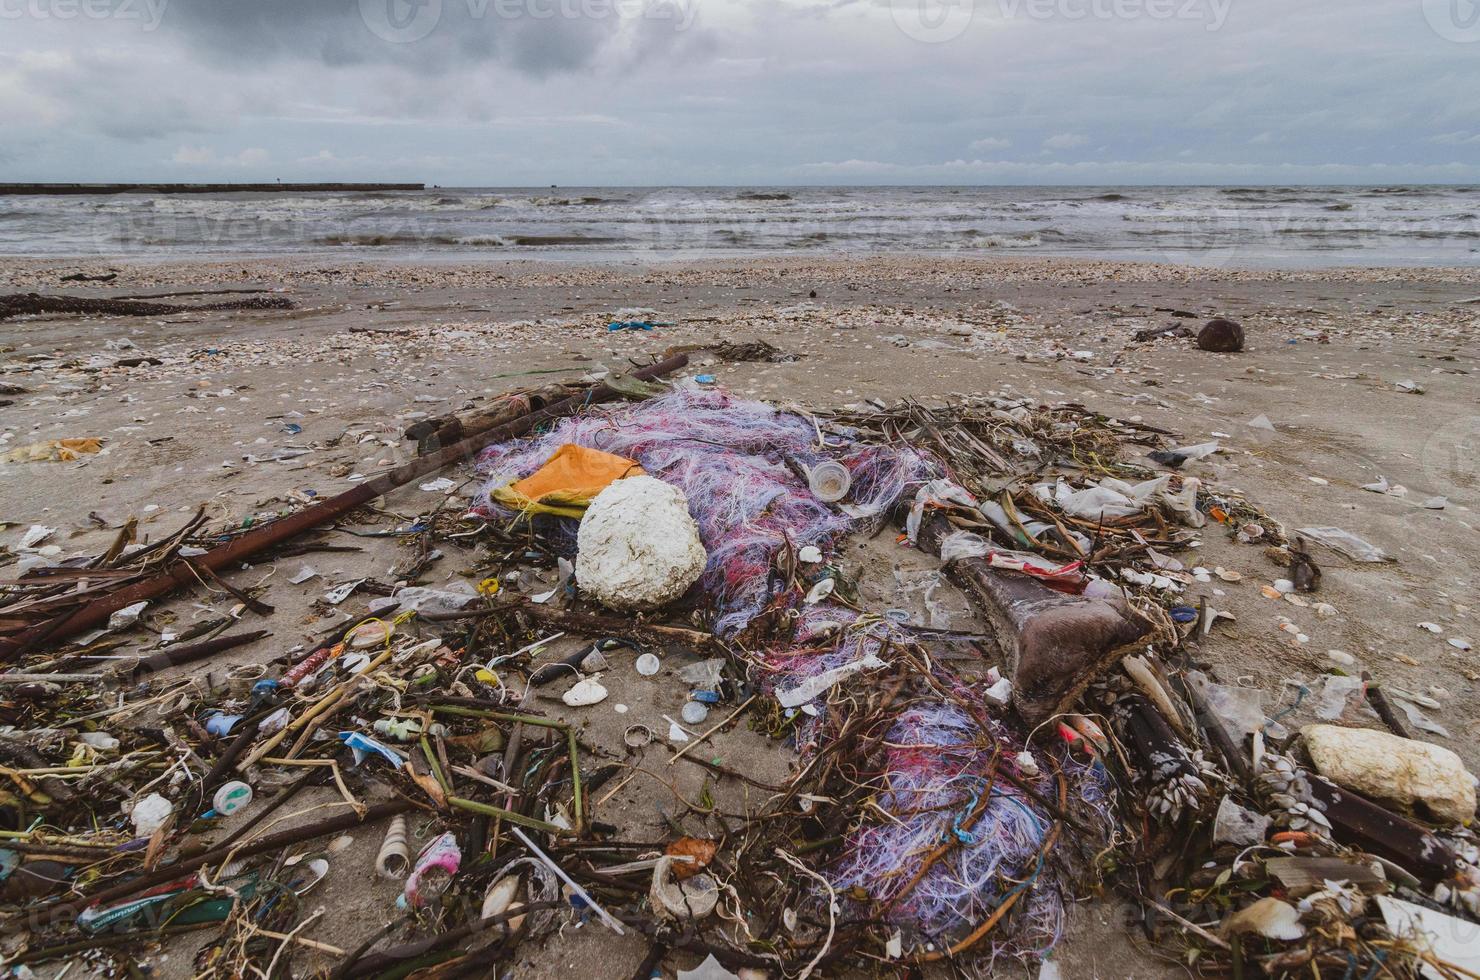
x=977 y=853
x=736 y=460
x=742 y=466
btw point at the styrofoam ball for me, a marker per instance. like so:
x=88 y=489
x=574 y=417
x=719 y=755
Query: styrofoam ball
x=638 y=548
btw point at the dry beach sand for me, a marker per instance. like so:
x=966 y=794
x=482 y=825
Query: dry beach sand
x=372 y=344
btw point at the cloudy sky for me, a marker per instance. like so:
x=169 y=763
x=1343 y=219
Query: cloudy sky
x=533 y=92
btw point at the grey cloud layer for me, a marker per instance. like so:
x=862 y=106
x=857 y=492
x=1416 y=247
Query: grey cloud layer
x=709 y=91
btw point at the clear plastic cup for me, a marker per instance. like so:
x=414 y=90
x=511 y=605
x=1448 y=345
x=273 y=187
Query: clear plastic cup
x=829 y=481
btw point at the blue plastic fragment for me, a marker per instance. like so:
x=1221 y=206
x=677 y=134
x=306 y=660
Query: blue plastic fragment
x=1184 y=614
x=364 y=745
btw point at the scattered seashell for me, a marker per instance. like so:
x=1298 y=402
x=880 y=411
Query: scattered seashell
x=820 y=591
x=1229 y=575
x=500 y=898
x=1434 y=628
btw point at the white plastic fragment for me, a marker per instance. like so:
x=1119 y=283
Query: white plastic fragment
x=999 y=695
x=812 y=687
x=710 y=969
x=1346 y=543
x=34 y=535
x=149 y=814
x=127 y=616
x=585 y=692
x=566 y=571
x=1451 y=940
x=1236 y=825
x=1269 y=917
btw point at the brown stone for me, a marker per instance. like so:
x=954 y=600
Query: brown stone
x=1221 y=335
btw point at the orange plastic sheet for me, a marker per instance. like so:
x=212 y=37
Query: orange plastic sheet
x=567 y=483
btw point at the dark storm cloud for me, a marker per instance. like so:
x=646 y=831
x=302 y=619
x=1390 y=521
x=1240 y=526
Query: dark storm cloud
x=539 y=37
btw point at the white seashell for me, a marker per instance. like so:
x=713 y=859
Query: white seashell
x=500 y=898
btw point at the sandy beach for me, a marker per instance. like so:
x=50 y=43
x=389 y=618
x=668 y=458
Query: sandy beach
x=1360 y=374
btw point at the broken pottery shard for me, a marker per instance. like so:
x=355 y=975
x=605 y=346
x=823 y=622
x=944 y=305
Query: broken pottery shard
x=1054 y=644
x=1422 y=779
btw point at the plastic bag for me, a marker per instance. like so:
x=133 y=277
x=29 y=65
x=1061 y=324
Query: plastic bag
x=1346 y=543
x=567 y=483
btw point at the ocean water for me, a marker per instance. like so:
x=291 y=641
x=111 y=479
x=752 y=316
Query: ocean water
x=1218 y=226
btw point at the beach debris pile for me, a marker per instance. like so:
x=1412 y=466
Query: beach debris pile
x=952 y=789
